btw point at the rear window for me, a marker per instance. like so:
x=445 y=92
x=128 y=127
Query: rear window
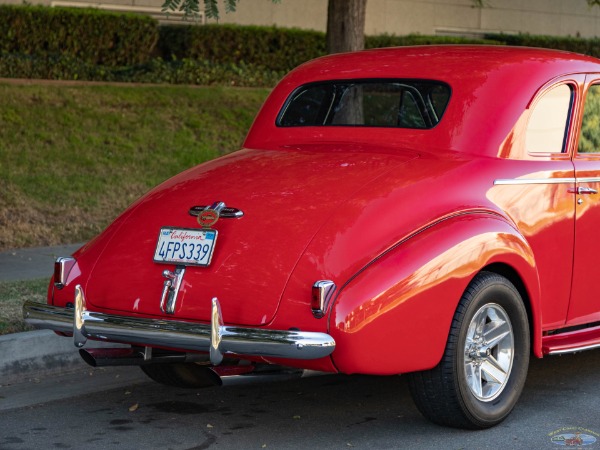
x=369 y=103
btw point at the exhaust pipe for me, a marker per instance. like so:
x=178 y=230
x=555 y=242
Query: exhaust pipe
x=134 y=356
x=138 y=356
x=222 y=375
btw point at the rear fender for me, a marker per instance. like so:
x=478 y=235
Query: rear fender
x=395 y=314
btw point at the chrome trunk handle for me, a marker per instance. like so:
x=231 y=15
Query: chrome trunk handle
x=170 y=290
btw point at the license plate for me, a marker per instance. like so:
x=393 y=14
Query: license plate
x=185 y=246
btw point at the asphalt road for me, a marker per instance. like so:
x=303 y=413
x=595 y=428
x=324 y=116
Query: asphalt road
x=31 y=263
x=116 y=408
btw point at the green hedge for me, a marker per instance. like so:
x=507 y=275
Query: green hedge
x=271 y=47
x=185 y=71
x=389 y=40
x=589 y=46
x=88 y=44
x=90 y=35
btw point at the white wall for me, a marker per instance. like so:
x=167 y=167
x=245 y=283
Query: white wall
x=553 y=17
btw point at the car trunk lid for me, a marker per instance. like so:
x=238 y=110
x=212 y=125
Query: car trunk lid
x=285 y=195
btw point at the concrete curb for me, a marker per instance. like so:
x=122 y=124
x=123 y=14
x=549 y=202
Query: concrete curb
x=36 y=354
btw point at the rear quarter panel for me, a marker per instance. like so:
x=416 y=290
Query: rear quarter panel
x=394 y=316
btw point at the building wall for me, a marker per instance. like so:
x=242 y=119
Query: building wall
x=445 y=17
x=553 y=17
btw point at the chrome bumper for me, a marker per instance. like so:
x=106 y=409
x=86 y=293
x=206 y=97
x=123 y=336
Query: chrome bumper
x=216 y=338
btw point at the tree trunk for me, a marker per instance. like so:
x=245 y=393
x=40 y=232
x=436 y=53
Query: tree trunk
x=346 y=25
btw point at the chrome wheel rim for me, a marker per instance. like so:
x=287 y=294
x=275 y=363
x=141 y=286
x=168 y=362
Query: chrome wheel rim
x=488 y=352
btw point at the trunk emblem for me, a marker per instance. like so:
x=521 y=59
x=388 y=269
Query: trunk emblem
x=208 y=218
x=208 y=215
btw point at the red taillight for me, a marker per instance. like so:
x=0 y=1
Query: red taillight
x=62 y=267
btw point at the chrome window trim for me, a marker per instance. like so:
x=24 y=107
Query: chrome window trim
x=522 y=181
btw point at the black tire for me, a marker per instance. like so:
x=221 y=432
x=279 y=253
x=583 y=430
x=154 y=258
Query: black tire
x=182 y=375
x=446 y=395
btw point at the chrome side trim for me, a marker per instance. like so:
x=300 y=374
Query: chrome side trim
x=521 y=181
x=574 y=350
x=175 y=334
x=518 y=181
x=589 y=180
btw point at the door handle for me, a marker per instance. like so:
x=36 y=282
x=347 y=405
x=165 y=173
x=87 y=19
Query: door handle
x=586 y=190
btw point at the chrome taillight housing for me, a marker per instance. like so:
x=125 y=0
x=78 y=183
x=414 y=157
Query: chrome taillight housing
x=62 y=267
x=322 y=293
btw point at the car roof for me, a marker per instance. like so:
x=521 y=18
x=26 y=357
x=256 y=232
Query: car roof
x=446 y=62
x=491 y=87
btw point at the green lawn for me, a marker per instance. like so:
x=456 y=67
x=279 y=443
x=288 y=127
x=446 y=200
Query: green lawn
x=12 y=296
x=73 y=157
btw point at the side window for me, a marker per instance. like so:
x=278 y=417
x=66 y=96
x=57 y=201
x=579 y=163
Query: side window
x=589 y=139
x=547 y=127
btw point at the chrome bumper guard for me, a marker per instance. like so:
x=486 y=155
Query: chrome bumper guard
x=216 y=338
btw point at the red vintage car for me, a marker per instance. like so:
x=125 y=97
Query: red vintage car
x=428 y=211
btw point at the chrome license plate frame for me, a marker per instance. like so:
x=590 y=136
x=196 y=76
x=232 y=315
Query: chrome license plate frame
x=185 y=246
